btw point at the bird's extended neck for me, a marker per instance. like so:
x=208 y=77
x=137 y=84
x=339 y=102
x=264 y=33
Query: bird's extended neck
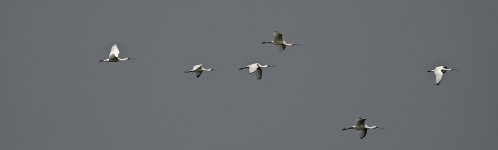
x=371 y=127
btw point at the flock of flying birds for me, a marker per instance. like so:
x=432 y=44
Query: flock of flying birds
x=256 y=68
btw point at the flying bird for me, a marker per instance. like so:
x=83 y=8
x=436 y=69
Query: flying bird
x=362 y=127
x=198 y=69
x=279 y=41
x=256 y=68
x=439 y=71
x=114 y=55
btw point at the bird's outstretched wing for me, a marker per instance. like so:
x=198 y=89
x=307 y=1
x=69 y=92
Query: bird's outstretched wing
x=439 y=76
x=114 y=52
x=252 y=68
x=281 y=47
x=259 y=73
x=363 y=133
x=277 y=36
x=196 y=67
x=198 y=73
x=360 y=122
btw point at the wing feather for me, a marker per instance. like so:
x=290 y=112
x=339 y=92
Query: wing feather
x=439 y=76
x=259 y=73
x=198 y=73
x=114 y=52
x=196 y=67
x=363 y=133
x=277 y=36
x=252 y=68
x=360 y=122
x=281 y=47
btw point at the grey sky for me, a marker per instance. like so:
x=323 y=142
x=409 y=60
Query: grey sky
x=360 y=58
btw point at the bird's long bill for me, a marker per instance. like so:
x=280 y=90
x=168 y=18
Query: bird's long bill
x=381 y=128
x=271 y=66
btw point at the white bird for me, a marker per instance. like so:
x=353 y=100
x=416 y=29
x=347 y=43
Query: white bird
x=362 y=127
x=279 y=41
x=114 y=55
x=439 y=71
x=198 y=69
x=256 y=67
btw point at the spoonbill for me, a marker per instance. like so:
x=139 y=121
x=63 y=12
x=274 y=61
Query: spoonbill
x=114 y=55
x=362 y=127
x=279 y=41
x=439 y=71
x=256 y=67
x=198 y=69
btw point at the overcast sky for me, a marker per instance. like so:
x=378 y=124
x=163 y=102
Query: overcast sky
x=359 y=58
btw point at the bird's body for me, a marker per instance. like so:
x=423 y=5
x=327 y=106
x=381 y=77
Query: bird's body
x=279 y=41
x=256 y=68
x=114 y=55
x=361 y=127
x=198 y=69
x=439 y=72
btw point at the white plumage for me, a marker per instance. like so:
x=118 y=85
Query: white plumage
x=114 y=55
x=256 y=68
x=279 y=41
x=439 y=72
x=362 y=127
x=198 y=69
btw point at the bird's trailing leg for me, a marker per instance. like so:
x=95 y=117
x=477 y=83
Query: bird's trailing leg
x=347 y=128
